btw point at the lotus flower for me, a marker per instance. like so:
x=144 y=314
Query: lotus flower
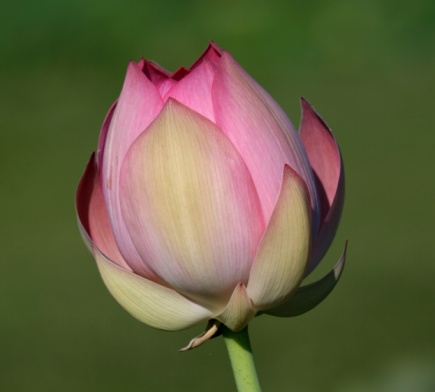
x=204 y=203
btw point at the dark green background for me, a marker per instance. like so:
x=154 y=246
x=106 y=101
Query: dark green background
x=367 y=66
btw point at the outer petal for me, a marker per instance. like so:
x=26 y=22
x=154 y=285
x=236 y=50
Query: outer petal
x=281 y=259
x=308 y=297
x=325 y=159
x=155 y=305
x=190 y=205
x=92 y=214
x=261 y=132
x=137 y=106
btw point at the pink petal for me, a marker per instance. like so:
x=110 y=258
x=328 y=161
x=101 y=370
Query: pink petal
x=180 y=73
x=190 y=205
x=322 y=151
x=282 y=255
x=158 y=76
x=153 y=71
x=212 y=54
x=194 y=90
x=325 y=159
x=261 y=132
x=137 y=106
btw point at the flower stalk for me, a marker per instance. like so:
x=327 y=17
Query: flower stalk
x=242 y=360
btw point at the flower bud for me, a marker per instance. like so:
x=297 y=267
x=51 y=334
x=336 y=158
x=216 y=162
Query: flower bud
x=204 y=203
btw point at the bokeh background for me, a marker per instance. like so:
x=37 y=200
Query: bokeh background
x=368 y=66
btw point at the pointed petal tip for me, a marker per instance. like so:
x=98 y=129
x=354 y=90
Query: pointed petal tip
x=133 y=66
x=212 y=53
x=309 y=113
x=239 y=311
x=290 y=173
x=214 y=45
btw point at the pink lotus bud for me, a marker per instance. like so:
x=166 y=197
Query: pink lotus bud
x=204 y=203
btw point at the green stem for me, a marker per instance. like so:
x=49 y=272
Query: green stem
x=242 y=360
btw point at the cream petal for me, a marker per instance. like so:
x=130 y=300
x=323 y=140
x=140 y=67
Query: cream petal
x=152 y=304
x=308 y=297
x=281 y=259
x=190 y=205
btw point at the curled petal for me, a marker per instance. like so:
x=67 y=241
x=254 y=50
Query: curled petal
x=261 y=132
x=325 y=158
x=281 y=258
x=307 y=297
x=211 y=331
x=190 y=205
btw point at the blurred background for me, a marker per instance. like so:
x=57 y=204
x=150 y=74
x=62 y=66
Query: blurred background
x=366 y=65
